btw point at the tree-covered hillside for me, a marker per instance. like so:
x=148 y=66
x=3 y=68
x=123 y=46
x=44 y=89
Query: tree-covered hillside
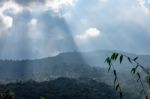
x=61 y=88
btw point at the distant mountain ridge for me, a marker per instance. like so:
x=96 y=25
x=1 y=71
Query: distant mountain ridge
x=65 y=64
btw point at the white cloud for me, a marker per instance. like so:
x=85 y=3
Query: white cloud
x=35 y=6
x=142 y=4
x=8 y=21
x=33 y=23
x=90 y=33
x=12 y=6
x=56 y=5
x=47 y=5
x=103 y=1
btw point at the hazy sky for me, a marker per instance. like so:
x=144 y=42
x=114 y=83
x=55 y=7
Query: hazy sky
x=41 y=28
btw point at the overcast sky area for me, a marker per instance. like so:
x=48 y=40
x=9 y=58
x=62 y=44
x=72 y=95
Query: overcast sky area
x=42 y=28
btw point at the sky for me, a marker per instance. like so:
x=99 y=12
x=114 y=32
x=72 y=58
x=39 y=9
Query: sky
x=31 y=29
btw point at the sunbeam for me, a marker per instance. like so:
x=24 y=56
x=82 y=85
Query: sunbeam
x=64 y=49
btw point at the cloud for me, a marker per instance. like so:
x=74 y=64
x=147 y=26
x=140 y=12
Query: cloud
x=6 y=23
x=89 y=34
x=7 y=13
x=143 y=4
x=40 y=28
x=28 y=2
x=34 y=28
x=33 y=23
x=56 y=5
x=13 y=7
x=103 y=1
x=36 y=36
x=125 y=26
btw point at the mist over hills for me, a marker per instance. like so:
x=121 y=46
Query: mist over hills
x=69 y=64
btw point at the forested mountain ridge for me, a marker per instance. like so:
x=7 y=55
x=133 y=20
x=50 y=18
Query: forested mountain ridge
x=71 y=64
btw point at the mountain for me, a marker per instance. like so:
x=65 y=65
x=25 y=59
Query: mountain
x=70 y=64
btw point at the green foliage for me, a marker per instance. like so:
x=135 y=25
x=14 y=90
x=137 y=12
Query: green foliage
x=135 y=58
x=7 y=94
x=134 y=71
x=114 y=56
x=42 y=97
x=121 y=58
x=148 y=80
x=62 y=88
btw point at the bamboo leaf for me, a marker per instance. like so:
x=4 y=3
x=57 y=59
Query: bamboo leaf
x=116 y=56
x=115 y=73
x=42 y=97
x=138 y=74
x=115 y=80
x=133 y=70
x=135 y=58
x=139 y=77
x=113 y=56
x=117 y=87
x=146 y=97
x=108 y=61
x=148 y=80
x=121 y=58
x=109 y=68
x=129 y=59
x=136 y=66
x=121 y=96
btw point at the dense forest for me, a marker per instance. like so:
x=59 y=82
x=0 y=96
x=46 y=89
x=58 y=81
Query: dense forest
x=62 y=88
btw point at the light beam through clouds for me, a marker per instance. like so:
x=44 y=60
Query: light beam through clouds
x=33 y=34
x=31 y=29
x=50 y=26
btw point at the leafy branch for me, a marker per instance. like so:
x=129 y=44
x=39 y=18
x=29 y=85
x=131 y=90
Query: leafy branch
x=136 y=65
x=116 y=80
